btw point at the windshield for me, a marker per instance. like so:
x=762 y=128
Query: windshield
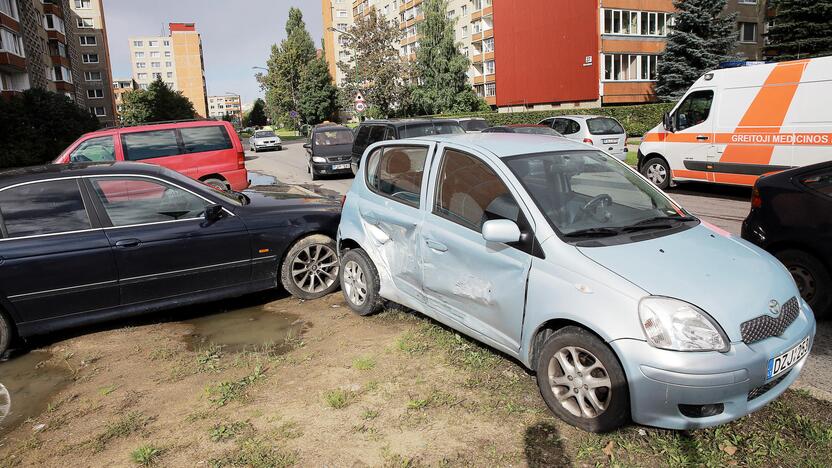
x=586 y=190
x=537 y=131
x=333 y=137
x=604 y=126
x=264 y=134
x=430 y=128
x=474 y=125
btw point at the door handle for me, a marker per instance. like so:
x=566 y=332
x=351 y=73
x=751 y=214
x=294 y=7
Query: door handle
x=128 y=243
x=702 y=137
x=438 y=246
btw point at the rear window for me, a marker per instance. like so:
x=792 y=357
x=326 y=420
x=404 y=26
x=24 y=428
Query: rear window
x=264 y=134
x=474 y=125
x=148 y=145
x=201 y=139
x=604 y=126
x=429 y=128
x=43 y=208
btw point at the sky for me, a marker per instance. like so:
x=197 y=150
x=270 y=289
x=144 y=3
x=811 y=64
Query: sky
x=236 y=34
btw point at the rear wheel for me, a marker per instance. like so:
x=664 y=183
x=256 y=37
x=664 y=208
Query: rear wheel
x=310 y=269
x=5 y=335
x=218 y=184
x=582 y=381
x=812 y=279
x=360 y=282
x=657 y=171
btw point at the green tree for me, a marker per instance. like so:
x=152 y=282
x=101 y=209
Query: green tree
x=257 y=115
x=285 y=65
x=440 y=68
x=801 y=29
x=37 y=125
x=702 y=38
x=318 y=96
x=157 y=103
x=374 y=66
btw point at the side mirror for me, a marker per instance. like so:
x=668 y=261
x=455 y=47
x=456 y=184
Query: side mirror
x=213 y=212
x=667 y=122
x=307 y=146
x=501 y=230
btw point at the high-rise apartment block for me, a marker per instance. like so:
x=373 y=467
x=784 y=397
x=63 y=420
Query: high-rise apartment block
x=121 y=86
x=177 y=59
x=228 y=105
x=94 y=67
x=542 y=54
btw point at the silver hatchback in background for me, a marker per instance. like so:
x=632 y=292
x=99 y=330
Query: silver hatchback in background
x=602 y=132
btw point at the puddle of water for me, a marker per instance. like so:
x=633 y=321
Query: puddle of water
x=261 y=179
x=252 y=328
x=29 y=385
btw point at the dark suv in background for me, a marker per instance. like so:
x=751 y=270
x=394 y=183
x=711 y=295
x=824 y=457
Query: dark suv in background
x=371 y=131
x=329 y=150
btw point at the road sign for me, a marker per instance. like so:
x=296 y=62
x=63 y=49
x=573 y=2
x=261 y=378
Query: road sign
x=360 y=106
x=359 y=97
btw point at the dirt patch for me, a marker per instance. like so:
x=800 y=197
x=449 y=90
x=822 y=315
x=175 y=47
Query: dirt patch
x=395 y=389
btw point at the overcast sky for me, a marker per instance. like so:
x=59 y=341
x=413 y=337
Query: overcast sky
x=236 y=35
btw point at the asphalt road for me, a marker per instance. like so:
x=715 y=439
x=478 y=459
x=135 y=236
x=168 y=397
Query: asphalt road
x=722 y=206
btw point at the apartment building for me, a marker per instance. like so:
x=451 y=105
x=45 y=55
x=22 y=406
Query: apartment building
x=177 y=59
x=120 y=87
x=338 y=17
x=226 y=105
x=94 y=68
x=39 y=48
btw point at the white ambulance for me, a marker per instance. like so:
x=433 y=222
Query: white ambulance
x=736 y=124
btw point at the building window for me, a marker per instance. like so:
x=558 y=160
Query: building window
x=490 y=89
x=155 y=54
x=167 y=54
x=85 y=23
x=637 y=23
x=143 y=85
x=9 y=8
x=156 y=75
x=138 y=43
x=139 y=55
x=60 y=73
x=153 y=43
x=92 y=76
x=170 y=75
x=89 y=58
x=95 y=93
x=141 y=65
x=168 y=64
x=141 y=76
x=166 y=43
x=342 y=14
x=630 y=67
x=53 y=23
x=11 y=43
x=82 y=4
x=489 y=67
x=488 y=45
x=88 y=40
x=98 y=111
x=747 y=2
x=464 y=10
x=155 y=64
x=342 y=26
x=465 y=31
x=747 y=32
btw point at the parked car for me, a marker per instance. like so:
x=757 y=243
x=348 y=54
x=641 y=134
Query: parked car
x=735 y=124
x=205 y=150
x=791 y=217
x=329 y=150
x=371 y=131
x=602 y=132
x=523 y=128
x=472 y=124
x=571 y=262
x=85 y=243
x=264 y=140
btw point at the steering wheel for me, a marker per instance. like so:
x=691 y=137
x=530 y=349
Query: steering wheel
x=597 y=207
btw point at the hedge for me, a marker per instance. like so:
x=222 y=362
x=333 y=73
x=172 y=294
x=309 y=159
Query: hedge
x=637 y=120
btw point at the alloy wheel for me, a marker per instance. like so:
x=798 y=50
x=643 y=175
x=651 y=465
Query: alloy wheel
x=804 y=280
x=354 y=283
x=656 y=173
x=315 y=268
x=580 y=382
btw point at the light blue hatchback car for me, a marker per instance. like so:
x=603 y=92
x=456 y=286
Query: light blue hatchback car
x=560 y=255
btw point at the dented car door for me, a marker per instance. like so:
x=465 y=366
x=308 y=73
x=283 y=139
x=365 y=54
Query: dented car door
x=480 y=284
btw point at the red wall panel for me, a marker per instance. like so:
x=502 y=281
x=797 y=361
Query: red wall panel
x=541 y=47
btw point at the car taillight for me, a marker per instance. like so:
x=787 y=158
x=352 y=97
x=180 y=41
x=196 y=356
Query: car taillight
x=241 y=160
x=588 y=141
x=756 y=199
x=343 y=200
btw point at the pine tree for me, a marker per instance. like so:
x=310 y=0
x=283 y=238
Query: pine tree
x=158 y=103
x=440 y=67
x=257 y=115
x=317 y=93
x=801 y=29
x=702 y=38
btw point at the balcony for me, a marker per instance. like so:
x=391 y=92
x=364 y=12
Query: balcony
x=53 y=9
x=64 y=86
x=55 y=35
x=476 y=37
x=476 y=59
x=9 y=23
x=11 y=62
x=476 y=16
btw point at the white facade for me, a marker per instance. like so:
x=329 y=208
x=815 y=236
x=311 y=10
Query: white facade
x=152 y=56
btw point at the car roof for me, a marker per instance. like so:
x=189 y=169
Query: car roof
x=584 y=116
x=523 y=125
x=406 y=122
x=505 y=145
x=158 y=126
x=330 y=127
x=52 y=171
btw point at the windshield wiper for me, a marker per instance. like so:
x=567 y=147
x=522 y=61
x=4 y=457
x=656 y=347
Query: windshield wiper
x=656 y=223
x=664 y=218
x=594 y=232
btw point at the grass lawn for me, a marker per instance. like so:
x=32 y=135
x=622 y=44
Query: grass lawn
x=632 y=158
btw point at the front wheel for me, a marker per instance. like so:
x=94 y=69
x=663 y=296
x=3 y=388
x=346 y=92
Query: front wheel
x=812 y=279
x=657 y=171
x=360 y=282
x=5 y=336
x=310 y=270
x=582 y=382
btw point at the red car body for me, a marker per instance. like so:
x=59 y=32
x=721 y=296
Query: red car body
x=205 y=150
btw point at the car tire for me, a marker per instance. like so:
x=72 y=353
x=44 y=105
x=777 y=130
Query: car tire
x=600 y=409
x=6 y=334
x=310 y=269
x=254 y=149
x=314 y=174
x=657 y=171
x=218 y=184
x=812 y=278
x=360 y=282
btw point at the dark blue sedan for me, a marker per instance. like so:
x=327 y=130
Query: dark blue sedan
x=86 y=243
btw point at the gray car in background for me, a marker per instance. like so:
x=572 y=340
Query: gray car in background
x=602 y=132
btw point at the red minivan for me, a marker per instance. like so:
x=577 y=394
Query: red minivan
x=205 y=150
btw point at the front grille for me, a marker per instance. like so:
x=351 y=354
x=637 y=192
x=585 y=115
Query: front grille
x=762 y=389
x=765 y=326
x=339 y=159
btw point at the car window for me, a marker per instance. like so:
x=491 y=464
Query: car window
x=572 y=126
x=148 y=145
x=536 y=131
x=376 y=134
x=137 y=200
x=547 y=122
x=49 y=207
x=566 y=126
x=469 y=193
x=202 y=139
x=390 y=134
x=819 y=182
x=694 y=109
x=397 y=172
x=362 y=135
x=497 y=130
x=264 y=134
x=333 y=137
x=474 y=125
x=95 y=150
x=604 y=126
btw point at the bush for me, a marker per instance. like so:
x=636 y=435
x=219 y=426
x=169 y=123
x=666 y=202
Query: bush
x=37 y=125
x=637 y=120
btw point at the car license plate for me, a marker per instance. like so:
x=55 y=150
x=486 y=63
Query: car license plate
x=609 y=141
x=341 y=166
x=779 y=364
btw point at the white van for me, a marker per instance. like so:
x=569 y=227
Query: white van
x=736 y=124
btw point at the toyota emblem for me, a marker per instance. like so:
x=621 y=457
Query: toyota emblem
x=774 y=307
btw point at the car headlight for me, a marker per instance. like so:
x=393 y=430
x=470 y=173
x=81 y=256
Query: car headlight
x=318 y=159
x=277 y=140
x=678 y=326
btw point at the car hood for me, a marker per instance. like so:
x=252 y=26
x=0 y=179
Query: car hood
x=332 y=150
x=259 y=139
x=269 y=200
x=725 y=276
